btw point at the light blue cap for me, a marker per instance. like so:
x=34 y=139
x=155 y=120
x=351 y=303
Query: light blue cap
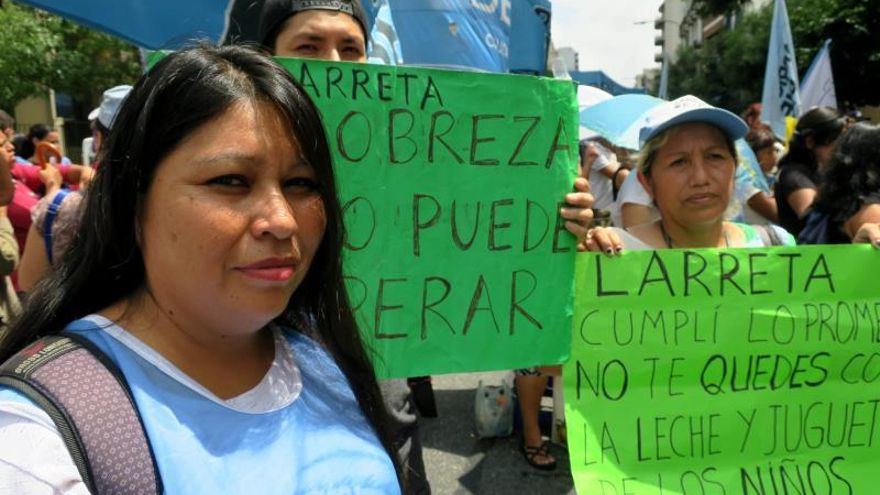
x=690 y=109
x=110 y=103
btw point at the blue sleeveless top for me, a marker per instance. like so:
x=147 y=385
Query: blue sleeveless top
x=319 y=443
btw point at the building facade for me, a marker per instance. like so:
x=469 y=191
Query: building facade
x=678 y=24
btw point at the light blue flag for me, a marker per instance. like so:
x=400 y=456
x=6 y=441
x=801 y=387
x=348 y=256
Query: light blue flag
x=781 y=96
x=463 y=34
x=384 y=44
x=664 y=79
x=817 y=88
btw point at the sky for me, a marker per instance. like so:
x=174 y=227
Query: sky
x=605 y=36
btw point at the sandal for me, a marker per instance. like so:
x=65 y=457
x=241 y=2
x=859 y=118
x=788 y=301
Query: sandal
x=532 y=454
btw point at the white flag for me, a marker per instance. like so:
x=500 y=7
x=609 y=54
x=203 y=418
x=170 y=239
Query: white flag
x=781 y=98
x=817 y=88
x=664 y=79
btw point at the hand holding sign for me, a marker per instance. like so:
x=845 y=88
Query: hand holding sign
x=578 y=211
x=868 y=233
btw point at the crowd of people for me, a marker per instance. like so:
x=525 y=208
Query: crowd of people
x=206 y=272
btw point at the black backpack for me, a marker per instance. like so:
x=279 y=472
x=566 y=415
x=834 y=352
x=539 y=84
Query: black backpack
x=89 y=401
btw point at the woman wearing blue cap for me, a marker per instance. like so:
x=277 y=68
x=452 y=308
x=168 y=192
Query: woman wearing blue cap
x=687 y=163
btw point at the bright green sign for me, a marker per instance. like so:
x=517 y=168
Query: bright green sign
x=726 y=372
x=451 y=183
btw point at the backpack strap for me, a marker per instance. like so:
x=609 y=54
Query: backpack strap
x=615 y=190
x=51 y=213
x=89 y=401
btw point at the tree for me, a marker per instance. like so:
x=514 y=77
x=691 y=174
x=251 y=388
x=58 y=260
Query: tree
x=44 y=51
x=728 y=70
x=26 y=58
x=854 y=28
x=90 y=62
x=717 y=7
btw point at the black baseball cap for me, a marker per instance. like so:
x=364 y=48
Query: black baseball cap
x=276 y=12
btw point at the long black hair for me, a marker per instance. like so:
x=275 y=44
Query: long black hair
x=104 y=264
x=853 y=173
x=823 y=125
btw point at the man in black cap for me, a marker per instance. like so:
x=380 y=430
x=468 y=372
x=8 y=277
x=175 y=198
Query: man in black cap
x=323 y=29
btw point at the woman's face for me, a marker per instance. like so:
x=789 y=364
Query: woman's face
x=231 y=222
x=767 y=158
x=7 y=148
x=691 y=177
x=52 y=138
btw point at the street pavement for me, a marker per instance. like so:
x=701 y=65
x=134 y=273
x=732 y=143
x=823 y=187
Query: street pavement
x=458 y=462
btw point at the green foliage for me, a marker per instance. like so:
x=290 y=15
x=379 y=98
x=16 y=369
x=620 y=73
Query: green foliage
x=28 y=42
x=728 y=70
x=45 y=51
x=91 y=62
x=854 y=29
x=716 y=7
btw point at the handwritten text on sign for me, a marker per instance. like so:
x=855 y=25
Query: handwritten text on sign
x=726 y=372
x=450 y=183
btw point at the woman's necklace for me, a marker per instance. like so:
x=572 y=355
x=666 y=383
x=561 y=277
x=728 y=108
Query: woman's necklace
x=668 y=240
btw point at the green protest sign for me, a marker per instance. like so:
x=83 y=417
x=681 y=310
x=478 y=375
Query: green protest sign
x=726 y=372
x=451 y=183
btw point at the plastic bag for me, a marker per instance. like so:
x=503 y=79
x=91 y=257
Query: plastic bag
x=493 y=410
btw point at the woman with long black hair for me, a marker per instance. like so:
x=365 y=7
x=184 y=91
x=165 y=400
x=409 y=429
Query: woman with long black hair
x=799 y=170
x=208 y=271
x=849 y=196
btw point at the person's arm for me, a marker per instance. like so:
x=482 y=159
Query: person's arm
x=7 y=188
x=618 y=176
x=764 y=205
x=34 y=260
x=868 y=218
x=52 y=178
x=602 y=160
x=801 y=200
x=80 y=175
x=8 y=245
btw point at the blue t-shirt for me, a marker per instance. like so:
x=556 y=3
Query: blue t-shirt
x=319 y=443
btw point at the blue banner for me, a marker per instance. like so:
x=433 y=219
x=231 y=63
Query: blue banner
x=153 y=24
x=472 y=34
x=529 y=36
